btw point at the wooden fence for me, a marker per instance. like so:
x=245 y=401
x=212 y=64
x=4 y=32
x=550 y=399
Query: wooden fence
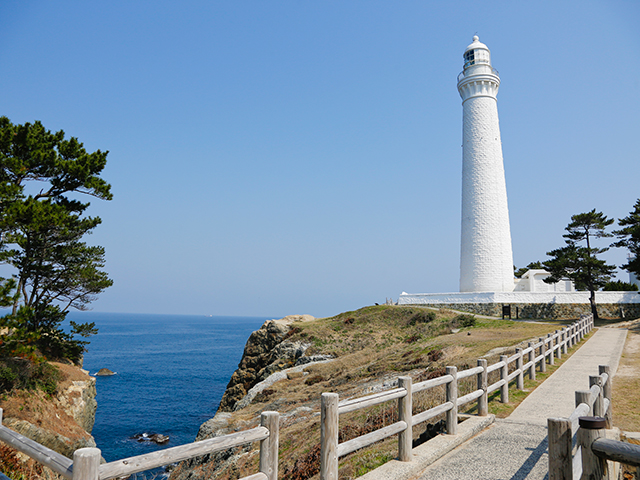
x=554 y=345
x=577 y=447
x=86 y=461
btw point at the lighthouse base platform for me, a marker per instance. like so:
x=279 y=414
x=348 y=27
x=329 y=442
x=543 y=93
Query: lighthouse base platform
x=531 y=305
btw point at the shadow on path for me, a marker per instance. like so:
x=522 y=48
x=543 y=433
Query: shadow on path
x=526 y=468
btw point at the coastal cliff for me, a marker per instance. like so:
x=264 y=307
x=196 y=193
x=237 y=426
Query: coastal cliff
x=266 y=352
x=61 y=421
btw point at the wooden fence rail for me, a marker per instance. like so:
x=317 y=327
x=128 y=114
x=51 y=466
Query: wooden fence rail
x=86 y=461
x=553 y=346
x=577 y=444
x=571 y=439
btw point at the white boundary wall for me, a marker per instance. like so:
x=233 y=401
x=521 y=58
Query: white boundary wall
x=516 y=297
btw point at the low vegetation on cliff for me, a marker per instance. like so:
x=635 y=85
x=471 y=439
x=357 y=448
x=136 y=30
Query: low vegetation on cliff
x=367 y=350
x=59 y=418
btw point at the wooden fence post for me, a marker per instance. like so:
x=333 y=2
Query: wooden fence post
x=86 y=464
x=543 y=352
x=607 y=391
x=570 y=335
x=405 y=406
x=591 y=428
x=560 y=458
x=564 y=340
x=269 y=446
x=328 y=436
x=504 y=375
x=598 y=405
x=483 y=400
x=452 y=396
x=532 y=357
x=582 y=396
x=552 y=353
x=520 y=377
x=558 y=344
x=579 y=331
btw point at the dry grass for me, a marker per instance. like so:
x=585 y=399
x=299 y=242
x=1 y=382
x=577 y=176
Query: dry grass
x=626 y=383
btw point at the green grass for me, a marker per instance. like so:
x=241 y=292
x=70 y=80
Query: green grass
x=503 y=410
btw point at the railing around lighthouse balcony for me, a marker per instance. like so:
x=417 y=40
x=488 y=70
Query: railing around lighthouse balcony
x=461 y=75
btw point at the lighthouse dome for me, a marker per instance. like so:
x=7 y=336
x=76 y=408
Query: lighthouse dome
x=476 y=53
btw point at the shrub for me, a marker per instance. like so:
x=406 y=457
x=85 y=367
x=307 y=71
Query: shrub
x=36 y=332
x=8 y=378
x=620 y=286
x=264 y=395
x=313 y=379
x=463 y=320
x=435 y=354
x=422 y=316
x=26 y=374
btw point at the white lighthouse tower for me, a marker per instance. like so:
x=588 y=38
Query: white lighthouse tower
x=486 y=260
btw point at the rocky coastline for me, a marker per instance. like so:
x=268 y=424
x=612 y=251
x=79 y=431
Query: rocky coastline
x=267 y=352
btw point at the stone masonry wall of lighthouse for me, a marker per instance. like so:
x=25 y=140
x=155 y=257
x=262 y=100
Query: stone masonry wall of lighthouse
x=486 y=260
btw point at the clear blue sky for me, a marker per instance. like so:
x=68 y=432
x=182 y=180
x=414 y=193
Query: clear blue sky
x=280 y=157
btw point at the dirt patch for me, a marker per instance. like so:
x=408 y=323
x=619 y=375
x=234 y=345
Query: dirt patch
x=626 y=382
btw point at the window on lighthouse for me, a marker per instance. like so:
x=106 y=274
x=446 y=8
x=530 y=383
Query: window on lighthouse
x=469 y=58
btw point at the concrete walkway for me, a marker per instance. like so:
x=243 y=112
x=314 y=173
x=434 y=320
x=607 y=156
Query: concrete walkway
x=515 y=448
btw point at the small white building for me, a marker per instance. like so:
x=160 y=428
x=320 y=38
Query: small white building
x=533 y=281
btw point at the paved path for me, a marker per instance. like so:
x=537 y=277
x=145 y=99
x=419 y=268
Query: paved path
x=515 y=448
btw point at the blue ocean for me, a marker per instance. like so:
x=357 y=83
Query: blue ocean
x=171 y=372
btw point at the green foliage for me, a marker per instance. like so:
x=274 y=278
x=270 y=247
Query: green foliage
x=371 y=461
x=422 y=316
x=620 y=286
x=521 y=271
x=629 y=237
x=578 y=260
x=24 y=374
x=42 y=224
x=463 y=320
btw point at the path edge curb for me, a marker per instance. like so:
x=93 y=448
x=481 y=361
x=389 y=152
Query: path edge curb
x=430 y=451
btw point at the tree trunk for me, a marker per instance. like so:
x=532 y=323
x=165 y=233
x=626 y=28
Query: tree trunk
x=592 y=301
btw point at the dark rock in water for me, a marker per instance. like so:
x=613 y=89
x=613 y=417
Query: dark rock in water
x=159 y=438
x=105 y=372
x=151 y=437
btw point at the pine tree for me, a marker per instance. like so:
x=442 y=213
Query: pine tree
x=42 y=224
x=629 y=237
x=578 y=260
